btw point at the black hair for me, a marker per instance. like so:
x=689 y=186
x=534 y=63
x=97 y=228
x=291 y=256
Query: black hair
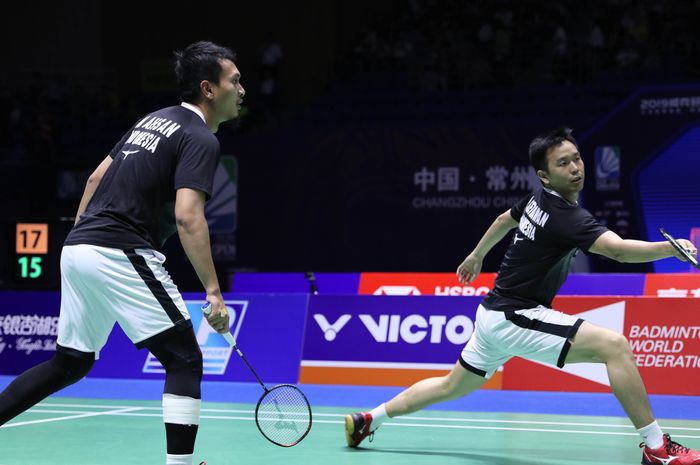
x=541 y=144
x=199 y=61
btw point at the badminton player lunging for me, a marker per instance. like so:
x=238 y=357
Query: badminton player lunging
x=516 y=318
x=154 y=181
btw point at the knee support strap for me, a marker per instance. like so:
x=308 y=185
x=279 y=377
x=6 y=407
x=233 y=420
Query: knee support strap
x=181 y=410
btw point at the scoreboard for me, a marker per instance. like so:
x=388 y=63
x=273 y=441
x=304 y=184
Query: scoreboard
x=32 y=244
x=33 y=253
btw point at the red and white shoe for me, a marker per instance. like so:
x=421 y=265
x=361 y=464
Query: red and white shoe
x=670 y=453
x=357 y=428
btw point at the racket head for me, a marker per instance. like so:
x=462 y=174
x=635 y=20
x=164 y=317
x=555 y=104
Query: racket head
x=283 y=415
x=688 y=257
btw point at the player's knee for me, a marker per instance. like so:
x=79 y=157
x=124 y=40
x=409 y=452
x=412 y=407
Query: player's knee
x=616 y=346
x=73 y=367
x=195 y=362
x=451 y=388
x=181 y=357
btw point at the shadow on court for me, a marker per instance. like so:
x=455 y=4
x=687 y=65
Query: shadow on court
x=468 y=457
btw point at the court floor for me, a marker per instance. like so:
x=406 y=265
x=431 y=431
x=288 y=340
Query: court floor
x=110 y=431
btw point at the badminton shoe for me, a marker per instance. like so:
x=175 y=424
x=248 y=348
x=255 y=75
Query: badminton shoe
x=670 y=453
x=357 y=428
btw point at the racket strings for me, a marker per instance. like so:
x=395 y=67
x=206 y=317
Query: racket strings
x=284 y=415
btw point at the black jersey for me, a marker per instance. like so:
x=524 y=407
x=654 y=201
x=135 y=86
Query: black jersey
x=549 y=235
x=133 y=205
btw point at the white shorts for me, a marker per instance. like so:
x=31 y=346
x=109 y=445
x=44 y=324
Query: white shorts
x=101 y=286
x=540 y=334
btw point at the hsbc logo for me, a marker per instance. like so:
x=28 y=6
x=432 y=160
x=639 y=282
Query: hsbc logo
x=410 y=329
x=397 y=290
x=461 y=290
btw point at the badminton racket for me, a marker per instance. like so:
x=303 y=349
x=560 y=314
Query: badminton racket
x=283 y=413
x=682 y=250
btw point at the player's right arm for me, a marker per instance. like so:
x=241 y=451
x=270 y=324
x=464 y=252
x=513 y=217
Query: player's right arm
x=193 y=230
x=471 y=266
x=92 y=183
x=610 y=245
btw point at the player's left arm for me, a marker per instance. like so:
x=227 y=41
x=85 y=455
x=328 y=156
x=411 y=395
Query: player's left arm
x=622 y=250
x=92 y=183
x=470 y=268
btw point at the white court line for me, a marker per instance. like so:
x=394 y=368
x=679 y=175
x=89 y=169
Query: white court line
x=538 y=430
x=402 y=424
x=71 y=417
x=408 y=418
x=128 y=412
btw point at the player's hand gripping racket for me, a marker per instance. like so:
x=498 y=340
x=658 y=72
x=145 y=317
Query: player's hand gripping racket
x=283 y=414
x=682 y=250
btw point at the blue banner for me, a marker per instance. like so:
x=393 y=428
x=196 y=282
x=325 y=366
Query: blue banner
x=28 y=329
x=269 y=330
x=388 y=329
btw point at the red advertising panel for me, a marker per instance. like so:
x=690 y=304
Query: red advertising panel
x=665 y=340
x=423 y=284
x=672 y=285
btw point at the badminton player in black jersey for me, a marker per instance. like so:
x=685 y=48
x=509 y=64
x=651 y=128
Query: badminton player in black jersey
x=516 y=318
x=153 y=182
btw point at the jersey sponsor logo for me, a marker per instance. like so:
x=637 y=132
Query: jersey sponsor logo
x=411 y=329
x=215 y=350
x=128 y=152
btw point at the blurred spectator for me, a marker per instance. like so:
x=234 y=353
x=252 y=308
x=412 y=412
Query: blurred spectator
x=271 y=56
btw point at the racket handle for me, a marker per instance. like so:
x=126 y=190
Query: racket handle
x=229 y=338
x=206 y=309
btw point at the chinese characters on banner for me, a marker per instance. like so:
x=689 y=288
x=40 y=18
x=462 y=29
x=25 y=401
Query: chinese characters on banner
x=497 y=187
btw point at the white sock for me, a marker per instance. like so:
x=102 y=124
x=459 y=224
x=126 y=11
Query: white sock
x=378 y=416
x=652 y=435
x=171 y=459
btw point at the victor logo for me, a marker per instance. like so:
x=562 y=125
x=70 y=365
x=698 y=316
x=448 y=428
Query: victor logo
x=410 y=329
x=330 y=331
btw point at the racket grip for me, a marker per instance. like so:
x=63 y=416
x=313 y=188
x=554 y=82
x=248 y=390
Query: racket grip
x=229 y=338
x=206 y=309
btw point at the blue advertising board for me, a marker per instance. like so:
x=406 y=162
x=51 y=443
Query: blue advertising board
x=604 y=284
x=269 y=330
x=394 y=329
x=28 y=329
